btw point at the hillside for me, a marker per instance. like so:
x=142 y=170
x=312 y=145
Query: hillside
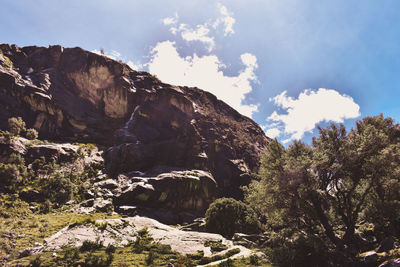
x=112 y=141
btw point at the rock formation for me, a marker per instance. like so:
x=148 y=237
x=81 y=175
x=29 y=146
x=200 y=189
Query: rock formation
x=171 y=146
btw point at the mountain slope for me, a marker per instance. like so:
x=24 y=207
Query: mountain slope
x=73 y=95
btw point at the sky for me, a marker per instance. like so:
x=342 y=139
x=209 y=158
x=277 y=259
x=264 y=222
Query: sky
x=290 y=65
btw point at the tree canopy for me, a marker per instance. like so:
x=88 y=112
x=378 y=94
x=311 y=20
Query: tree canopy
x=324 y=195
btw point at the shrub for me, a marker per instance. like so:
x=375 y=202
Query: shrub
x=58 y=188
x=150 y=258
x=12 y=173
x=110 y=249
x=98 y=260
x=196 y=256
x=215 y=246
x=16 y=125
x=36 y=262
x=31 y=134
x=226 y=216
x=83 y=221
x=227 y=263
x=254 y=260
x=88 y=245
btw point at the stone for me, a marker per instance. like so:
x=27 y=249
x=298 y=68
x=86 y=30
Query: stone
x=391 y=263
x=370 y=257
x=124 y=231
x=73 y=95
x=103 y=205
x=9 y=146
x=190 y=190
x=386 y=244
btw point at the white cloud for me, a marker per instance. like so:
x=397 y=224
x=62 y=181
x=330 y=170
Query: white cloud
x=227 y=20
x=171 y=20
x=206 y=73
x=310 y=108
x=201 y=33
x=273 y=132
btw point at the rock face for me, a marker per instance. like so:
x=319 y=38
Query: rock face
x=70 y=94
x=120 y=232
x=161 y=188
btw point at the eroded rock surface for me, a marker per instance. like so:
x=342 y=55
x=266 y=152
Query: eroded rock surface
x=73 y=95
x=120 y=232
x=161 y=187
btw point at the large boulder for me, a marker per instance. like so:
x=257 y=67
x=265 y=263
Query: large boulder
x=161 y=187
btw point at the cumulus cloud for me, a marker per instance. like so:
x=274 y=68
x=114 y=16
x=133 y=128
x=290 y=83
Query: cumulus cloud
x=171 y=20
x=226 y=19
x=273 y=132
x=309 y=109
x=206 y=73
x=202 y=32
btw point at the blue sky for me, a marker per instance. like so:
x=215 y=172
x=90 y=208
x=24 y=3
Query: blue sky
x=298 y=63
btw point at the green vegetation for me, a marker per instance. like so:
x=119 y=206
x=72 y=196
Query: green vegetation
x=229 y=253
x=31 y=134
x=16 y=125
x=227 y=216
x=7 y=60
x=41 y=180
x=21 y=228
x=215 y=246
x=323 y=203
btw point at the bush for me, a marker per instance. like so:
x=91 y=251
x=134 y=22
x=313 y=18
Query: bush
x=98 y=260
x=31 y=134
x=150 y=258
x=216 y=246
x=88 y=245
x=227 y=263
x=36 y=262
x=12 y=173
x=227 y=216
x=58 y=188
x=16 y=125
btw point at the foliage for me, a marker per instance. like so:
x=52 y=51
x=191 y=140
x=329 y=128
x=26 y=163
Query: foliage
x=20 y=221
x=215 y=246
x=82 y=221
x=226 y=216
x=12 y=173
x=315 y=198
x=16 y=125
x=48 y=180
x=31 y=134
x=229 y=253
x=88 y=245
x=7 y=61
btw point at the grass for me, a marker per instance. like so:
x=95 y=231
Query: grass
x=150 y=254
x=19 y=232
x=215 y=246
x=242 y=263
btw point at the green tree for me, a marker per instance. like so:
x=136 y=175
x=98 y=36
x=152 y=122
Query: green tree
x=16 y=125
x=326 y=191
x=31 y=134
x=12 y=173
x=227 y=216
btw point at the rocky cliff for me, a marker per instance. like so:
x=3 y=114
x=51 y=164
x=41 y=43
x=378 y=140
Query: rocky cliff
x=165 y=145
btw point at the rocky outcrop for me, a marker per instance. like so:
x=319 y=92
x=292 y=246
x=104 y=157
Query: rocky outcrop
x=179 y=190
x=120 y=232
x=48 y=152
x=70 y=94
